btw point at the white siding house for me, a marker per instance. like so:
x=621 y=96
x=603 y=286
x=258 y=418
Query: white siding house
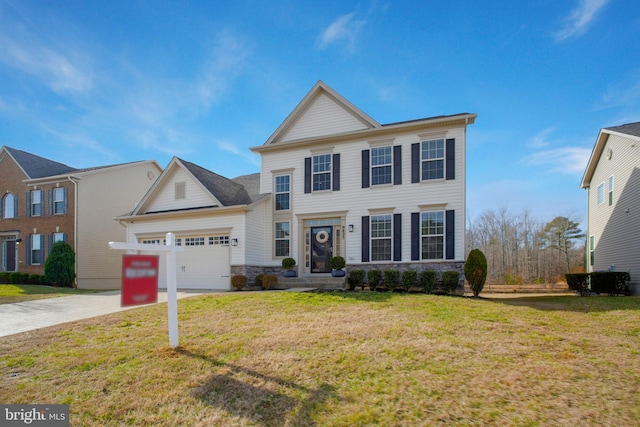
x=333 y=181
x=612 y=181
x=381 y=196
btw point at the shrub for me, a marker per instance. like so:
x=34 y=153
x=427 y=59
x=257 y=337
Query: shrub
x=356 y=278
x=269 y=281
x=409 y=279
x=475 y=271
x=391 y=279
x=337 y=263
x=374 y=277
x=239 y=281
x=578 y=282
x=4 y=277
x=288 y=263
x=450 y=281
x=35 y=279
x=59 y=267
x=610 y=282
x=17 y=278
x=428 y=280
x=258 y=280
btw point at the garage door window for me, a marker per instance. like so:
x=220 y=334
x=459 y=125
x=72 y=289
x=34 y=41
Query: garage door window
x=219 y=240
x=194 y=241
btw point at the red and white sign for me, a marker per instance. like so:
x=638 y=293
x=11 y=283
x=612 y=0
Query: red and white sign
x=139 y=280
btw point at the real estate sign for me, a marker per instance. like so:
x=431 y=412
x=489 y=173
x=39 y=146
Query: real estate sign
x=139 y=279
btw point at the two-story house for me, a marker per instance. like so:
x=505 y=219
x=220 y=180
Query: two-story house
x=333 y=181
x=612 y=181
x=381 y=196
x=44 y=201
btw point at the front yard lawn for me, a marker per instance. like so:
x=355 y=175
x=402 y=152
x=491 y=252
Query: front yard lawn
x=339 y=359
x=18 y=293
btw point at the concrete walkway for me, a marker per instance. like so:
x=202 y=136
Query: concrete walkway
x=30 y=315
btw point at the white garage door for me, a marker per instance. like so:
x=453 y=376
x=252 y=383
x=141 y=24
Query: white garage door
x=204 y=264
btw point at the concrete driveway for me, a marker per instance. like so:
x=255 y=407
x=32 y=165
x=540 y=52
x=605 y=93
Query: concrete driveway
x=30 y=315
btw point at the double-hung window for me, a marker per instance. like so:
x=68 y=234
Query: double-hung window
x=9 y=206
x=282 y=233
x=381 y=169
x=321 y=172
x=601 y=193
x=381 y=237
x=611 y=190
x=36 y=203
x=592 y=250
x=432 y=234
x=432 y=159
x=59 y=201
x=283 y=192
x=36 y=249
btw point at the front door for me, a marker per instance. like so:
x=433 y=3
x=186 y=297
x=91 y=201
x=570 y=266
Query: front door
x=9 y=255
x=321 y=249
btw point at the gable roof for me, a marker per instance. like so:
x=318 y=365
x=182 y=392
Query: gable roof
x=631 y=130
x=343 y=107
x=35 y=166
x=222 y=191
x=229 y=193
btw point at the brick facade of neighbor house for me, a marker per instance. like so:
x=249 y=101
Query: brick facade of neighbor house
x=43 y=201
x=21 y=226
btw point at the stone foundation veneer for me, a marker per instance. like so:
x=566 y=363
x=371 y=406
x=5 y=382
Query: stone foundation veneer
x=251 y=271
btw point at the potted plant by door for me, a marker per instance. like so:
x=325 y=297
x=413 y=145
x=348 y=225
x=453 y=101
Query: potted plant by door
x=337 y=266
x=288 y=265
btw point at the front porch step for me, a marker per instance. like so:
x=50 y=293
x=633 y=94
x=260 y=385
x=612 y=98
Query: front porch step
x=326 y=282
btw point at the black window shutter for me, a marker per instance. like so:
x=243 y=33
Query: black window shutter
x=307 y=175
x=415 y=162
x=66 y=196
x=15 y=207
x=451 y=158
x=365 y=169
x=397 y=237
x=49 y=242
x=50 y=195
x=2 y=200
x=365 y=239
x=415 y=236
x=27 y=249
x=336 y=172
x=450 y=234
x=397 y=165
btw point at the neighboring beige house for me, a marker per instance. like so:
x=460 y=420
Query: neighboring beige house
x=45 y=201
x=612 y=181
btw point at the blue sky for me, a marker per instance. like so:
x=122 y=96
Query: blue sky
x=91 y=83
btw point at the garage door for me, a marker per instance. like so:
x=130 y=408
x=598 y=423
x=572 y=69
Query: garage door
x=204 y=264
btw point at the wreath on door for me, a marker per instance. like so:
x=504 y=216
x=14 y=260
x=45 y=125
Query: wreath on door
x=322 y=237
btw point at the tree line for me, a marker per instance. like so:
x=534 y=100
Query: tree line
x=521 y=249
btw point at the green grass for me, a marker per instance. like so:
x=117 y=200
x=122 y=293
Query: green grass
x=19 y=293
x=339 y=359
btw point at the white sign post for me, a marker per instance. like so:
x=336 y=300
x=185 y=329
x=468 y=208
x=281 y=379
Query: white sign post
x=172 y=281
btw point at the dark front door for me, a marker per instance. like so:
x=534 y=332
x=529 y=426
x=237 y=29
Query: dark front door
x=321 y=249
x=9 y=255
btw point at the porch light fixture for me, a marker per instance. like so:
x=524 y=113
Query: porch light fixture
x=350 y=228
x=234 y=242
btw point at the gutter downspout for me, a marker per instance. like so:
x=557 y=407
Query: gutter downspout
x=75 y=226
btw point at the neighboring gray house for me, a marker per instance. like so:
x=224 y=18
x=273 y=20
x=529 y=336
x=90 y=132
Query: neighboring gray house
x=612 y=180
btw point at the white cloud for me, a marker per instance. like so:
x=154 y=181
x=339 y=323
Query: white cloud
x=244 y=153
x=59 y=68
x=540 y=139
x=563 y=160
x=580 y=18
x=343 y=29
